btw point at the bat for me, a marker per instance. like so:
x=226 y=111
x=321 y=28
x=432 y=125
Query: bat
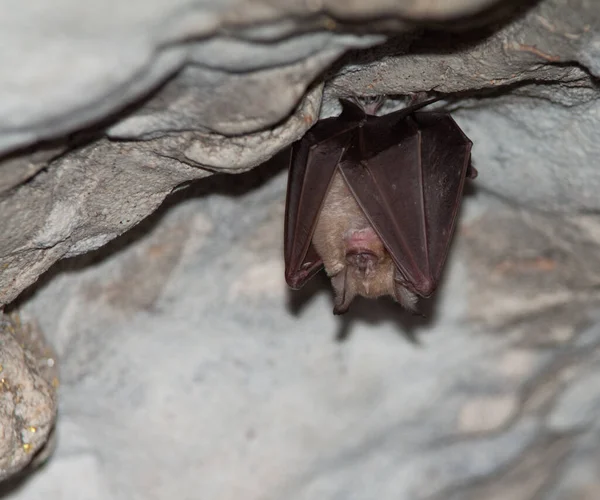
x=374 y=200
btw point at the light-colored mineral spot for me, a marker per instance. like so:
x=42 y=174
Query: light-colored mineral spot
x=260 y=281
x=28 y=401
x=517 y=363
x=486 y=414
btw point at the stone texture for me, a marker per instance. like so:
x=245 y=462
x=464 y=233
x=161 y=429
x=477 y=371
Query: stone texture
x=188 y=370
x=28 y=403
x=65 y=211
x=114 y=142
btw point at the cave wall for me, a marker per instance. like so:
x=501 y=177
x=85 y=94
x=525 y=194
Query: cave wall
x=170 y=318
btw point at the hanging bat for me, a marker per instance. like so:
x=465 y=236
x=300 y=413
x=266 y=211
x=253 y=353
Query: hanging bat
x=374 y=200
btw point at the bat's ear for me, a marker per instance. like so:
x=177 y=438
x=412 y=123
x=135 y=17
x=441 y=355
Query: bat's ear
x=343 y=294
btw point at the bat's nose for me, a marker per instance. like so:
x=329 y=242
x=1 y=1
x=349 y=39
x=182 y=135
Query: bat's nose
x=361 y=259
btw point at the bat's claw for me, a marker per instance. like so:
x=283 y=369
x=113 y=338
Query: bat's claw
x=339 y=310
x=369 y=104
x=418 y=98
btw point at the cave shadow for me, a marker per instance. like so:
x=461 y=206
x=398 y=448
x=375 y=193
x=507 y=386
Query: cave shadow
x=384 y=310
x=13 y=484
x=369 y=311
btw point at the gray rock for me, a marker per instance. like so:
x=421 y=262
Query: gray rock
x=233 y=104
x=28 y=383
x=186 y=360
x=65 y=211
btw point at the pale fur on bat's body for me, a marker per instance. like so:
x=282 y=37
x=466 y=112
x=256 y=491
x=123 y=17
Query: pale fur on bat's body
x=353 y=255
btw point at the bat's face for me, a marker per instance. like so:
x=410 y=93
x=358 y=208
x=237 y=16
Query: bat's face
x=368 y=270
x=353 y=254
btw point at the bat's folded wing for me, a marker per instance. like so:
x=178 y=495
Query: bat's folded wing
x=409 y=184
x=445 y=158
x=313 y=162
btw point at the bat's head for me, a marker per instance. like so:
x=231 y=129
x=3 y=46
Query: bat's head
x=369 y=271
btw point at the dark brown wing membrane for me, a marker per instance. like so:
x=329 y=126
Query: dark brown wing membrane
x=407 y=173
x=445 y=157
x=313 y=162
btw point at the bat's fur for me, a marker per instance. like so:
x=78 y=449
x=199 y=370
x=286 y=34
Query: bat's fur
x=352 y=252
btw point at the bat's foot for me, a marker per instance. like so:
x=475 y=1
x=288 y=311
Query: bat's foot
x=372 y=105
x=369 y=104
x=418 y=98
x=339 y=310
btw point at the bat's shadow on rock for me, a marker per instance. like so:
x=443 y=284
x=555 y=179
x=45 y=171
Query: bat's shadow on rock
x=386 y=310
x=373 y=312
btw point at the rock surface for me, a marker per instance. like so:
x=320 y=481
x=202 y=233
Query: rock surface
x=114 y=142
x=181 y=361
x=28 y=382
x=189 y=370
